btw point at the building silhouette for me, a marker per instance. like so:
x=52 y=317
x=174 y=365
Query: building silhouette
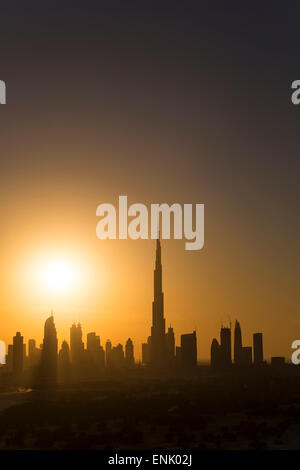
x=225 y=336
x=146 y=351
x=49 y=352
x=129 y=353
x=95 y=352
x=34 y=354
x=170 y=346
x=64 y=363
x=31 y=350
x=188 y=350
x=158 y=329
x=258 y=355
x=237 y=343
x=108 y=353
x=17 y=355
x=76 y=343
x=216 y=357
x=117 y=356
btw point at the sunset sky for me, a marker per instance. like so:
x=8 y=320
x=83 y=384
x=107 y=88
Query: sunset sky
x=185 y=102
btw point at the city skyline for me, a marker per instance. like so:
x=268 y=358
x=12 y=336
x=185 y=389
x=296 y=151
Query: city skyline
x=165 y=106
x=159 y=352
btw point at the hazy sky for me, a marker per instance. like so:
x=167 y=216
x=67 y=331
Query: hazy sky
x=176 y=101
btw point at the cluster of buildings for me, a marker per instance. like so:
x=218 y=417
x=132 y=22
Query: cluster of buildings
x=221 y=356
x=74 y=360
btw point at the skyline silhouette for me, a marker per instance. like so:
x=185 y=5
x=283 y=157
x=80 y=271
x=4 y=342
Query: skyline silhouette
x=74 y=361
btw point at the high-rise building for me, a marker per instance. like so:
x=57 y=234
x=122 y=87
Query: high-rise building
x=117 y=356
x=18 y=354
x=95 y=352
x=258 y=348
x=216 y=359
x=64 y=362
x=226 y=345
x=146 y=347
x=76 y=343
x=92 y=342
x=158 y=329
x=237 y=343
x=108 y=350
x=189 y=350
x=129 y=353
x=49 y=352
x=33 y=353
x=170 y=346
x=31 y=347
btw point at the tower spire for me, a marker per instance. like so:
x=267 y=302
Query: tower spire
x=158 y=328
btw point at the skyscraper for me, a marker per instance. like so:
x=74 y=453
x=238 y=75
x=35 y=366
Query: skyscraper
x=216 y=358
x=258 y=348
x=95 y=352
x=92 y=343
x=117 y=356
x=76 y=343
x=108 y=349
x=189 y=350
x=237 y=343
x=18 y=354
x=146 y=351
x=31 y=347
x=33 y=353
x=49 y=352
x=226 y=345
x=129 y=353
x=158 y=329
x=170 y=346
x=64 y=362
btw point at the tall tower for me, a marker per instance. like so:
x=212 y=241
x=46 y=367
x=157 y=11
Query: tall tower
x=258 y=348
x=226 y=345
x=108 y=349
x=189 y=350
x=158 y=329
x=49 y=352
x=17 y=358
x=170 y=346
x=76 y=343
x=129 y=353
x=237 y=343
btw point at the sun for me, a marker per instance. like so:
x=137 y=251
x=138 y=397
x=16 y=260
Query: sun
x=58 y=275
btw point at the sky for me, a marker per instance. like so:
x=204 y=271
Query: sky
x=186 y=102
